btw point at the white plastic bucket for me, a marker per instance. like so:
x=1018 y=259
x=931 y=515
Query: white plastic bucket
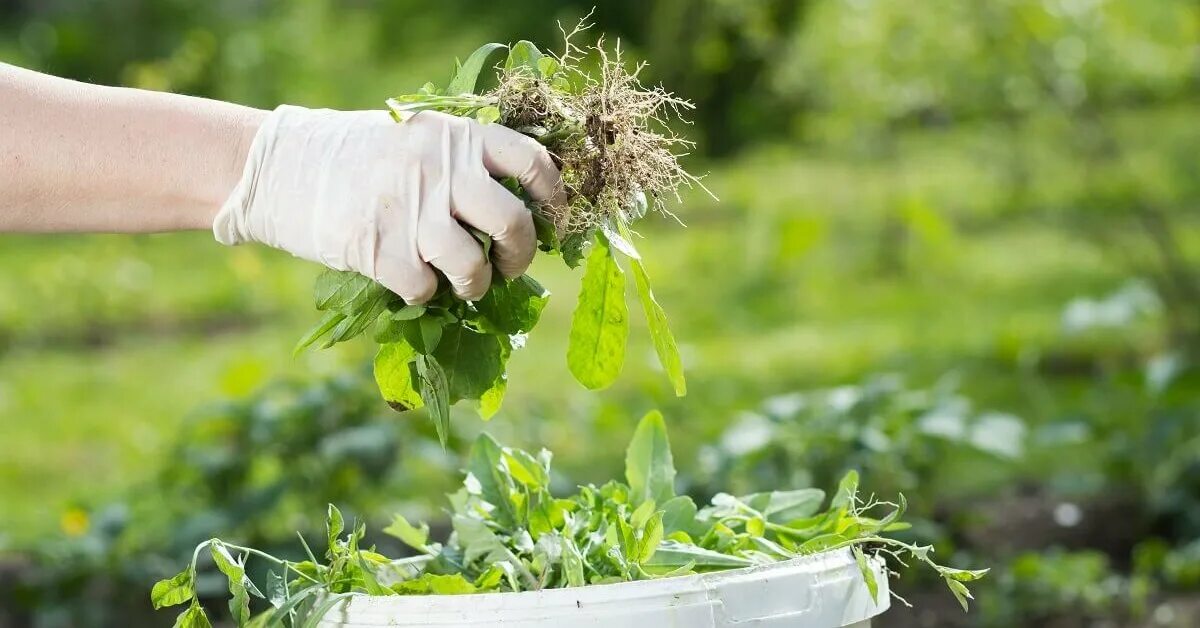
x=820 y=591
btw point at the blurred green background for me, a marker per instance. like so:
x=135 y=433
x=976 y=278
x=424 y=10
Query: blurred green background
x=957 y=248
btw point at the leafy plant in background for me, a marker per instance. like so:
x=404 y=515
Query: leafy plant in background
x=512 y=534
x=1036 y=588
x=609 y=134
x=896 y=433
x=247 y=468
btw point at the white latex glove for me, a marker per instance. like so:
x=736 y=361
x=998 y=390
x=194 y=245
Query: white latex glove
x=354 y=190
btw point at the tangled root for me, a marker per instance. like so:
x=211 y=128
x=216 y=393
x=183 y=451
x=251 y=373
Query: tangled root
x=610 y=134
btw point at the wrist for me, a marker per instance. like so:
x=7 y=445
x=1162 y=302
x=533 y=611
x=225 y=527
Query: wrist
x=237 y=136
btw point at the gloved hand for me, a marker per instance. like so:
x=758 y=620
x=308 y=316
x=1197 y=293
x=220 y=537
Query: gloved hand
x=354 y=190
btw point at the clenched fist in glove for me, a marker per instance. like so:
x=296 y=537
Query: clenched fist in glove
x=356 y=191
x=353 y=190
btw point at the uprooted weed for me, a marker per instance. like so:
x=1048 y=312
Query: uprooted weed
x=610 y=134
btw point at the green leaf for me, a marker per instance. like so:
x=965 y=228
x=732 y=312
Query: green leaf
x=642 y=514
x=961 y=593
x=394 y=376
x=193 y=617
x=490 y=401
x=484 y=462
x=660 y=331
x=414 y=537
x=328 y=321
x=365 y=312
x=277 y=592
x=513 y=307
x=572 y=563
x=487 y=115
x=467 y=74
x=480 y=543
x=524 y=53
x=334 y=524
x=675 y=554
x=435 y=584
x=785 y=506
x=472 y=361
x=600 y=325
x=649 y=468
x=336 y=289
x=435 y=392
x=679 y=515
x=409 y=312
x=423 y=334
x=174 y=590
x=370 y=582
x=572 y=246
x=652 y=535
x=962 y=575
x=867 y=572
x=235 y=573
x=547 y=234
x=822 y=543
x=547 y=66
x=847 y=489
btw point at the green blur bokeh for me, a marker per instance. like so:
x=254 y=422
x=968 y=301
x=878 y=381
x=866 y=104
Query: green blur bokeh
x=1005 y=192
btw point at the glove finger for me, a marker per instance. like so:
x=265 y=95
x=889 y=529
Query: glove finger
x=507 y=153
x=450 y=249
x=398 y=263
x=483 y=203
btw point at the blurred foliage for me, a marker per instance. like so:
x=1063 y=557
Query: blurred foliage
x=1001 y=190
x=251 y=470
x=900 y=437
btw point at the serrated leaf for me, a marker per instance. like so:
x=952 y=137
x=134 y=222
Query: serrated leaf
x=484 y=463
x=467 y=74
x=174 y=590
x=414 y=537
x=395 y=377
x=660 y=331
x=649 y=468
x=600 y=325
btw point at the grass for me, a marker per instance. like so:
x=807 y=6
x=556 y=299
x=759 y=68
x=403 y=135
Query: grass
x=815 y=269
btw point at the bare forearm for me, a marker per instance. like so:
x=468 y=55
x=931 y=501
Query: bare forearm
x=80 y=157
